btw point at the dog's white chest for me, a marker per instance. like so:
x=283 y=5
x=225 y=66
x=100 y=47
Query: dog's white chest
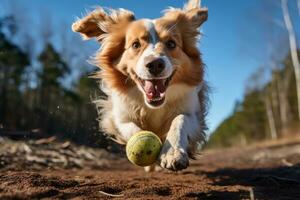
x=131 y=108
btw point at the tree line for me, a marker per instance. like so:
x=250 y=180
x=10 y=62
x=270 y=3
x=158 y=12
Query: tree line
x=268 y=110
x=34 y=94
x=271 y=105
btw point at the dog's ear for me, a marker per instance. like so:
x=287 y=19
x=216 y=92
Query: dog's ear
x=195 y=14
x=187 y=20
x=98 y=23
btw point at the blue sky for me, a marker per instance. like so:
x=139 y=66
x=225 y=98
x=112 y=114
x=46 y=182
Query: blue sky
x=228 y=65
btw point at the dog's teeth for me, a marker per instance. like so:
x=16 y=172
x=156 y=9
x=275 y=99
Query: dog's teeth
x=165 y=81
x=157 y=99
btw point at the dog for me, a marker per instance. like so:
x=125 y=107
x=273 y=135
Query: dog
x=153 y=75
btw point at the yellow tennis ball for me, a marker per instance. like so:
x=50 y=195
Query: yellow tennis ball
x=143 y=148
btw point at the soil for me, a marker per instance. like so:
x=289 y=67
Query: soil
x=265 y=171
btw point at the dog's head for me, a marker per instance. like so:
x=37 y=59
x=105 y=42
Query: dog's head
x=149 y=54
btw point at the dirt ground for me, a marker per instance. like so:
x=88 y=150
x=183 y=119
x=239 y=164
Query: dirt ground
x=265 y=171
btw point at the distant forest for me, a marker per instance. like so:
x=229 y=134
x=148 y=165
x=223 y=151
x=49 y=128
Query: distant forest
x=36 y=95
x=268 y=110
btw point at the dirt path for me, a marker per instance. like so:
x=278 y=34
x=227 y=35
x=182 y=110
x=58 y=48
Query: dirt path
x=261 y=172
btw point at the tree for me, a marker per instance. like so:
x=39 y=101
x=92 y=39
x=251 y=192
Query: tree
x=245 y=125
x=53 y=70
x=270 y=116
x=12 y=65
x=38 y=89
x=259 y=114
x=293 y=48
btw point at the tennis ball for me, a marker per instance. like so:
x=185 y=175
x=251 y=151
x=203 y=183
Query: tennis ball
x=143 y=148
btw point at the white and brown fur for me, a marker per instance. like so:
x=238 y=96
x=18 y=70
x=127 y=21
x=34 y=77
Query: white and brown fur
x=180 y=120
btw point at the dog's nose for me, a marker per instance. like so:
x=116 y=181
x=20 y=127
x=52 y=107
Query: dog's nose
x=156 y=66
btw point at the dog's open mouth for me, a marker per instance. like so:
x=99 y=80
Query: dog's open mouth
x=155 y=90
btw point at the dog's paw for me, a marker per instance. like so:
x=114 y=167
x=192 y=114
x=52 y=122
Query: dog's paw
x=173 y=159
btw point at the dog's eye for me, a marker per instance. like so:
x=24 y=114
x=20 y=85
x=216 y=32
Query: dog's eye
x=136 y=45
x=171 y=44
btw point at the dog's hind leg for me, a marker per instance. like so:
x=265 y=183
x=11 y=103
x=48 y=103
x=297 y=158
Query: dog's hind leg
x=152 y=168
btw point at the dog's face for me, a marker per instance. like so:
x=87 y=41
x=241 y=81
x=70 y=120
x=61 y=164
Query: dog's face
x=148 y=59
x=148 y=54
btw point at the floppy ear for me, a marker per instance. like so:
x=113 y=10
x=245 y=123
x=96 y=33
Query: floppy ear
x=195 y=14
x=98 y=22
x=187 y=20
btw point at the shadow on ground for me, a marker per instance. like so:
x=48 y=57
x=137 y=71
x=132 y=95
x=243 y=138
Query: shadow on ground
x=266 y=183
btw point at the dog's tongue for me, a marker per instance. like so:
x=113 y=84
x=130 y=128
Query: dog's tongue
x=155 y=89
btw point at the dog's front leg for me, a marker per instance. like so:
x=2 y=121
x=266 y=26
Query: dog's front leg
x=127 y=129
x=174 y=155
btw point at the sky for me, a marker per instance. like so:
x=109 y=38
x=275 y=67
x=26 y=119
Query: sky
x=227 y=65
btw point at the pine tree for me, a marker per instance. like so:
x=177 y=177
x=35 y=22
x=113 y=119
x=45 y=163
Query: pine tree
x=51 y=90
x=13 y=63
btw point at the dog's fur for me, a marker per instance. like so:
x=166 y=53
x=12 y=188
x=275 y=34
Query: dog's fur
x=177 y=115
